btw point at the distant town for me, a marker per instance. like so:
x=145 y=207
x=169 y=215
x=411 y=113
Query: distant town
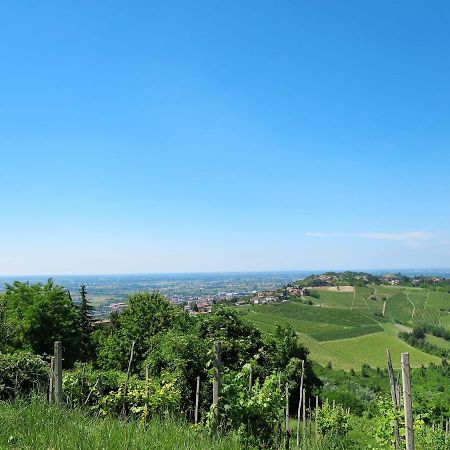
x=282 y=290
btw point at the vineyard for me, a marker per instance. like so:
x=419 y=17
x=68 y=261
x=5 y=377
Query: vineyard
x=348 y=329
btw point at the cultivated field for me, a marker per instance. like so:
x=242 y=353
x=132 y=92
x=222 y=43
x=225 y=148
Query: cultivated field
x=335 y=288
x=348 y=328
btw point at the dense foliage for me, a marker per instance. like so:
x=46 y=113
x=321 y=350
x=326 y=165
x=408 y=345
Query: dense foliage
x=21 y=373
x=36 y=315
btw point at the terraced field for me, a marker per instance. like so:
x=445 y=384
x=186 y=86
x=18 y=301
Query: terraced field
x=347 y=328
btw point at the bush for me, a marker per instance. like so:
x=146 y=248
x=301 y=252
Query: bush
x=21 y=373
x=103 y=392
x=252 y=413
x=333 y=421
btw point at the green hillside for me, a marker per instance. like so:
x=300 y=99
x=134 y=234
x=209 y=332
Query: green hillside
x=348 y=328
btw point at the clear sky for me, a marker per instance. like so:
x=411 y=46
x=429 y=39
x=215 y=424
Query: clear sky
x=171 y=136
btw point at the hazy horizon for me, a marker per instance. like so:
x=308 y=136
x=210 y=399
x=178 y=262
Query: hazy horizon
x=404 y=270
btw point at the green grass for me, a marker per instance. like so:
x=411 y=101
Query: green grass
x=438 y=342
x=445 y=321
x=335 y=299
x=347 y=333
x=369 y=349
x=38 y=425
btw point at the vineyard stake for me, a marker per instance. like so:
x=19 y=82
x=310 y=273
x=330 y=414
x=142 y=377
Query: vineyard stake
x=397 y=389
x=394 y=399
x=57 y=367
x=216 y=381
x=82 y=380
x=407 y=402
x=300 y=404
x=250 y=385
x=304 y=415
x=310 y=419
x=125 y=388
x=51 y=380
x=317 y=412
x=288 y=431
x=147 y=390
x=197 y=398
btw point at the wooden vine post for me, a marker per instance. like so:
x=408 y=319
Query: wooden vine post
x=57 y=368
x=250 y=386
x=125 y=388
x=51 y=379
x=317 y=417
x=147 y=390
x=288 y=430
x=407 y=402
x=216 y=381
x=304 y=415
x=197 y=400
x=300 y=404
x=395 y=401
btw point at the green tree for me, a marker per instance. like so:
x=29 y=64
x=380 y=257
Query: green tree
x=240 y=339
x=185 y=357
x=283 y=353
x=146 y=315
x=39 y=314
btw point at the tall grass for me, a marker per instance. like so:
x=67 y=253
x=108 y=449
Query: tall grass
x=38 y=425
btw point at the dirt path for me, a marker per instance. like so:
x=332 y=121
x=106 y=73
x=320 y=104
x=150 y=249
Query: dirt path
x=413 y=305
x=353 y=301
x=367 y=305
x=425 y=304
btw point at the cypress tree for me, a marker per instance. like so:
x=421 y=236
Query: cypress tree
x=85 y=312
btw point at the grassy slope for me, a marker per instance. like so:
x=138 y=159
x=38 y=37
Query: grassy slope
x=369 y=349
x=345 y=330
x=445 y=321
x=438 y=341
x=37 y=425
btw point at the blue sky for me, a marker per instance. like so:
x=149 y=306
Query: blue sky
x=173 y=136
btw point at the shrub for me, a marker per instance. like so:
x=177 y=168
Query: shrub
x=333 y=420
x=103 y=392
x=253 y=413
x=21 y=373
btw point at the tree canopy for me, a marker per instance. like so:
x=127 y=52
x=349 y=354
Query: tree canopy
x=36 y=315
